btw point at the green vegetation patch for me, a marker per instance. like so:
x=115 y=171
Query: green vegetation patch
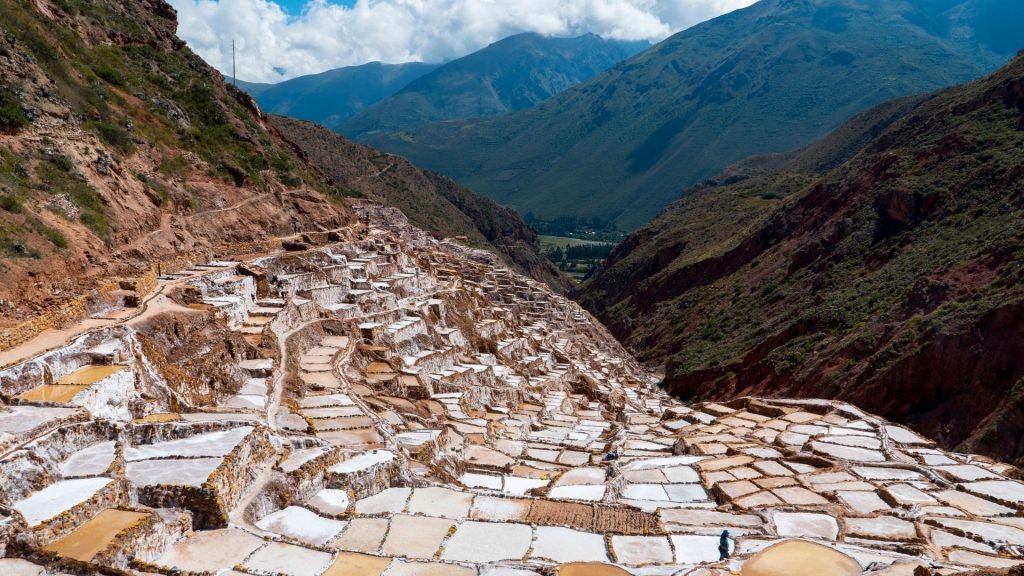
x=93 y=209
x=12 y=117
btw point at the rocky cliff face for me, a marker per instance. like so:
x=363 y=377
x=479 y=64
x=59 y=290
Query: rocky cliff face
x=892 y=281
x=119 y=146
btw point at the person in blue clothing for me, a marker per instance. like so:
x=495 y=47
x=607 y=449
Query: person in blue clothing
x=723 y=546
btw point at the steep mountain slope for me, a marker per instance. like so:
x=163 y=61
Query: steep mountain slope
x=894 y=281
x=331 y=97
x=431 y=201
x=768 y=78
x=509 y=75
x=119 y=146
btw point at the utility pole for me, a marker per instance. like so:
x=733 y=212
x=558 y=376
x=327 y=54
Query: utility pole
x=234 y=75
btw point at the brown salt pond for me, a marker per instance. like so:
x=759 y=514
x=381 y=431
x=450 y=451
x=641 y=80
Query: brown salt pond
x=352 y=564
x=55 y=393
x=95 y=535
x=90 y=375
x=800 y=558
x=591 y=569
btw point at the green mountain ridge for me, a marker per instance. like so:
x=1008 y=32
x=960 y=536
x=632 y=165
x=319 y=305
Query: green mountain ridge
x=331 y=97
x=768 y=78
x=512 y=74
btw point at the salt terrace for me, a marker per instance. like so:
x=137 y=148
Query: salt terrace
x=392 y=404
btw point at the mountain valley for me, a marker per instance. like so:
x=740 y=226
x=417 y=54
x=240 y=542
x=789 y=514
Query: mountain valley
x=234 y=342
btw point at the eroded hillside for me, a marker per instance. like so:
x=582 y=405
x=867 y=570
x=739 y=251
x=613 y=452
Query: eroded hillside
x=120 y=147
x=892 y=282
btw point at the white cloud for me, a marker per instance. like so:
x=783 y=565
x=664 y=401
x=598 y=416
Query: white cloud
x=274 y=46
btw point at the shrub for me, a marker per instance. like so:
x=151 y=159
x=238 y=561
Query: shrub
x=115 y=136
x=12 y=117
x=11 y=204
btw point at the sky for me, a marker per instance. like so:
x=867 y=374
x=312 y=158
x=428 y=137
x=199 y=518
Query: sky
x=280 y=39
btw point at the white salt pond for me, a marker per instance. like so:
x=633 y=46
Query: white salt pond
x=329 y=501
x=282 y=558
x=636 y=550
x=567 y=545
x=488 y=542
x=90 y=461
x=592 y=493
x=434 y=501
x=210 y=550
x=805 y=525
x=58 y=497
x=179 y=472
x=390 y=501
x=363 y=461
x=201 y=445
x=301 y=524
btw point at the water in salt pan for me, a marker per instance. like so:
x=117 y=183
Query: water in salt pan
x=416 y=536
x=363 y=461
x=489 y=508
x=799 y=558
x=442 y=502
x=636 y=550
x=58 y=497
x=806 y=525
x=94 y=536
x=390 y=501
x=566 y=545
x=1001 y=490
x=592 y=493
x=329 y=501
x=200 y=445
x=188 y=472
x=590 y=569
x=488 y=542
x=403 y=568
x=353 y=564
x=518 y=485
x=302 y=525
x=362 y=535
x=281 y=558
x=90 y=461
x=210 y=550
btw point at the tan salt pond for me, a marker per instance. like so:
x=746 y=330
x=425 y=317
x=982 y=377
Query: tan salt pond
x=210 y=550
x=362 y=535
x=55 y=393
x=352 y=564
x=800 y=558
x=90 y=375
x=416 y=536
x=590 y=569
x=95 y=535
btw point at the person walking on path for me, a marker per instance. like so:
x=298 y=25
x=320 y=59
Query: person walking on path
x=723 y=545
